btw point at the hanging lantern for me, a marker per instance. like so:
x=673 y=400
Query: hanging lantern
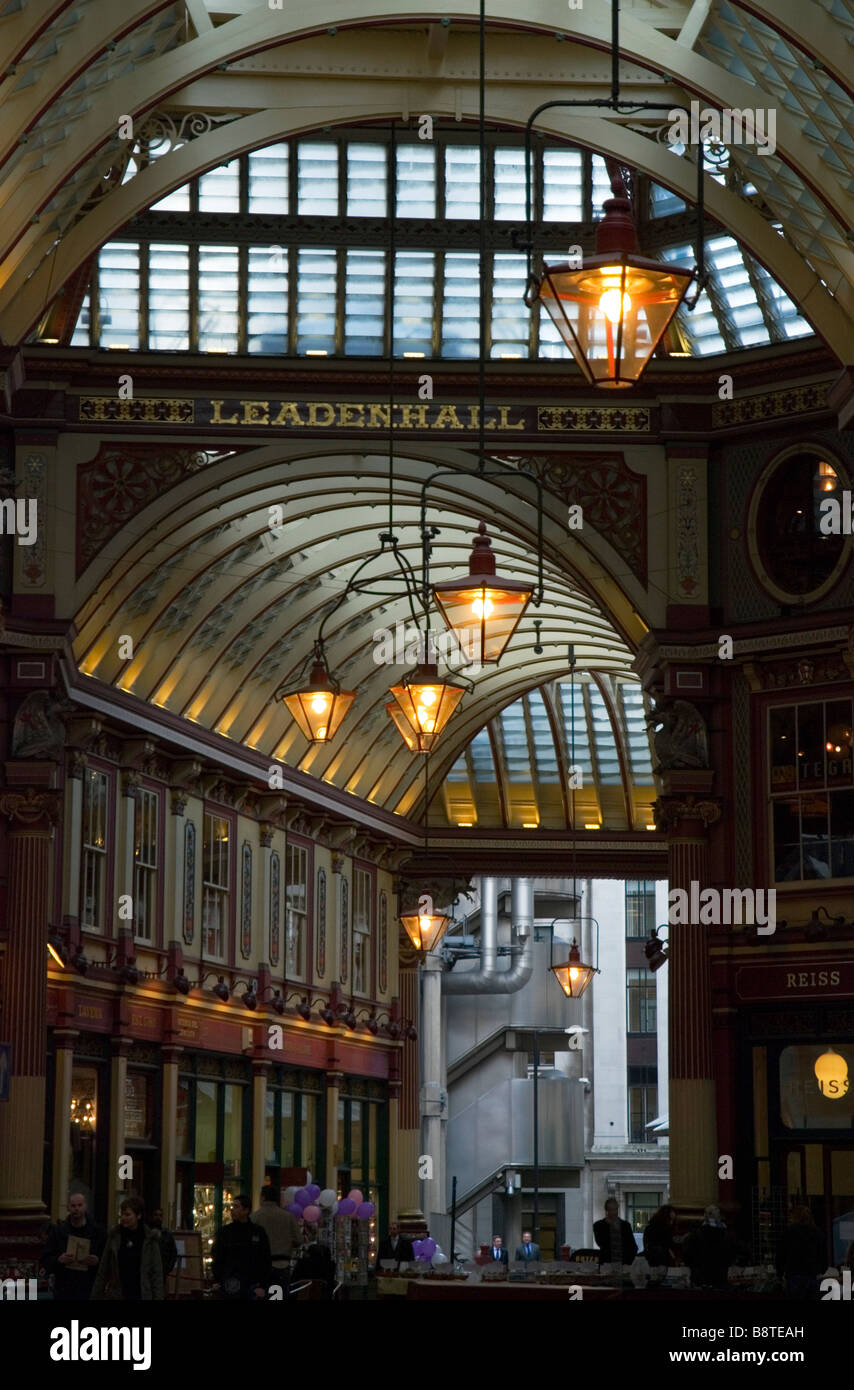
x=425 y=928
x=831 y=1070
x=319 y=707
x=424 y=703
x=613 y=311
x=482 y=608
x=573 y=976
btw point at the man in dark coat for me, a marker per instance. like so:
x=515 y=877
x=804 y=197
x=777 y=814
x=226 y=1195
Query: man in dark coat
x=497 y=1251
x=395 y=1247
x=614 y=1237
x=70 y=1284
x=242 y=1264
x=709 y=1251
x=801 y=1255
x=529 y=1249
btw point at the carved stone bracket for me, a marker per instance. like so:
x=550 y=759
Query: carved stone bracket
x=266 y=832
x=178 y=802
x=77 y=764
x=31 y=806
x=131 y=782
x=671 y=811
x=82 y=730
x=185 y=773
x=136 y=751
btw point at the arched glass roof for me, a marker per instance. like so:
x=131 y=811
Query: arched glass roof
x=519 y=771
x=207 y=270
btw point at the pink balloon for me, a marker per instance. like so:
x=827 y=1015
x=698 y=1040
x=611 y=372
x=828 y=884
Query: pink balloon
x=355 y=1196
x=311 y=1213
x=365 y=1210
x=346 y=1207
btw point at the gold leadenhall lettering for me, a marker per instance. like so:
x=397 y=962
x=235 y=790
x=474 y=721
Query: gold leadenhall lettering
x=314 y=406
x=447 y=415
x=379 y=417
x=504 y=422
x=406 y=421
x=351 y=415
x=289 y=414
x=217 y=418
x=251 y=415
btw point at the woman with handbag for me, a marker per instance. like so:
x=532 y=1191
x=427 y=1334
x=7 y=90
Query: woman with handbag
x=131 y=1268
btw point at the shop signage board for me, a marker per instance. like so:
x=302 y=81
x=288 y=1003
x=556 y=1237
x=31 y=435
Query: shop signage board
x=826 y=979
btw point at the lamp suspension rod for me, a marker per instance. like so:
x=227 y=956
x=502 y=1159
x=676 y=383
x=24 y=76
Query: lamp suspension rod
x=481 y=372
x=389 y=326
x=614 y=103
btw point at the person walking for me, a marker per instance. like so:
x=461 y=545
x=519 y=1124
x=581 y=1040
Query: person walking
x=242 y=1267
x=168 y=1248
x=131 y=1267
x=614 y=1237
x=73 y=1274
x=283 y=1232
x=659 y=1238
x=801 y=1256
x=709 y=1251
x=529 y=1250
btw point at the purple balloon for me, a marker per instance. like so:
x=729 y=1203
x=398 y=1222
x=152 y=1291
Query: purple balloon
x=365 y=1211
x=294 y=1209
x=301 y=1197
x=428 y=1247
x=346 y=1207
x=416 y=1247
x=313 y=1191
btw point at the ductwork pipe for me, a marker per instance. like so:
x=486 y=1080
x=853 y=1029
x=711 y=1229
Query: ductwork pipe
x=487 y=979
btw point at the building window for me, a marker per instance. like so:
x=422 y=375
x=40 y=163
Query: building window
x=812 y=789
x=296 y=909
x=215 y=847
x=640 y=1001
x=641 y=1208
x=643 y=1103
x=796 y=550
x=363 y=912
x=805 y=1101
x=640 y=907
x=94 y=868
x=145 y=864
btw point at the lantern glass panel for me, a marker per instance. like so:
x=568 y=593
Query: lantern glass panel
x=483 y=615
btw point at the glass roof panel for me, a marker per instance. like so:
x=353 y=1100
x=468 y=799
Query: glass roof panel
x=607 y=757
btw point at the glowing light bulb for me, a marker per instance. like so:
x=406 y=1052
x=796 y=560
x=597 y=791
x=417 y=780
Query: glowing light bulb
x=319 y=703
x=482 y=607
x=426 y=719
x=573 y=974
x=424 y=923
x=321 y=732
x=610 y=304
x=428 y=696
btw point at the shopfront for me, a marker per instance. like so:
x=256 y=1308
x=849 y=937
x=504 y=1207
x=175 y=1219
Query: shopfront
x=802 y=1103
x=213 y=1140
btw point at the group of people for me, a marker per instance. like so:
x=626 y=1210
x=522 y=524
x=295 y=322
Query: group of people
x=252 y=1252
x=130 y=1262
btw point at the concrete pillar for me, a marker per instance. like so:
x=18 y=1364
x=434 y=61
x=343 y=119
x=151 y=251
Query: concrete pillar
x=118 y=1085
x=175 y=928
x=169 y=1134
x=73 y=839
x=693 y=1122
x=130 y=783
x=33 y=811
x=333 y=1091
x=433 y=1108
x=64 y=1044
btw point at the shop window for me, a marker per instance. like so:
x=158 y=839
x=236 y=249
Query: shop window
x=296 y=910
x=145 y=864
x=640 y=907
x=362 y=920
x=640 y=1001
x=812 y=790
x=183 y=1133
x=215 y=877
x=83 y=1122
x=807 y=1101
x=139 y=1107
x=94 y=867
x=232 y=1144
x=205 y=1148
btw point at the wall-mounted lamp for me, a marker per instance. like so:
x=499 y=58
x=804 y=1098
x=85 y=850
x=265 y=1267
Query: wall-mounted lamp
x=655 y=950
